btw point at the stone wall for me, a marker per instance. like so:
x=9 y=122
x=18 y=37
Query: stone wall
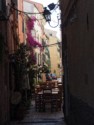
x=4 y=77
x=80 y=52
x=80 y=112
x=79 y=34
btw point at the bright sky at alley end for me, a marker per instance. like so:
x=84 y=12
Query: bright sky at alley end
x=54 y=21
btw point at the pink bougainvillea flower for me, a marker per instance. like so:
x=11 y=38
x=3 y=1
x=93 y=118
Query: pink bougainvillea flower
x=38 y=44
x=30 y=23
x=30 y=39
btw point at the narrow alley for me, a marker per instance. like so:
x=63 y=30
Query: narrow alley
x=46 y=62
x=29 y=116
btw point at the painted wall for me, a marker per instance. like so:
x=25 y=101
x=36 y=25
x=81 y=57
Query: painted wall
x=21 y=22
x=38 y=31
x=8 y=46
x=54 y=54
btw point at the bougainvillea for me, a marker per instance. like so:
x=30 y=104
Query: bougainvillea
x=30 y=38
x=30 y=23
x=32 y=41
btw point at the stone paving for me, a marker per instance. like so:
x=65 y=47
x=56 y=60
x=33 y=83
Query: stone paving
x=40 y=118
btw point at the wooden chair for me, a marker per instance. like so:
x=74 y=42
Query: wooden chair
x=38 y=89
x=60 y=91
x=47 y=96
x=42 y=85
x=39 y=105
x=56 y=102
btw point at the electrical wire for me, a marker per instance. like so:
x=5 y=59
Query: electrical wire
x=53 y=26
x=51 y=44
x=57 y=17
x=55 y=7
x=24 y=11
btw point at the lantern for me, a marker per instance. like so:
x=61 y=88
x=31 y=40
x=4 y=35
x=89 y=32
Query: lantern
x=47 y=15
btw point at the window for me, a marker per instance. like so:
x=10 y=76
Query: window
x=23 y=26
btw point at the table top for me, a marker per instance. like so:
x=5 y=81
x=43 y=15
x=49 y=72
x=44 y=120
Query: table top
x=54 y=91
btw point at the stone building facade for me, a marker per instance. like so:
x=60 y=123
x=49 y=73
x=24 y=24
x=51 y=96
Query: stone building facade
x=8 y=43
x=4 y=72
x=54 y=50
x=78 y=48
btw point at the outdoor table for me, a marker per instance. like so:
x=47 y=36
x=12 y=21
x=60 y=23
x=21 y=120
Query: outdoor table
x=53 y=99
x=59 y=84
x=53 y=92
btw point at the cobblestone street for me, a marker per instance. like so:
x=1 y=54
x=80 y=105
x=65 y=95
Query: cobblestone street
x=40 y=118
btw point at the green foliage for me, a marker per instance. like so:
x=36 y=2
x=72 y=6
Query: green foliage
x=49 y=64
x=20 y=63
x=43 y=69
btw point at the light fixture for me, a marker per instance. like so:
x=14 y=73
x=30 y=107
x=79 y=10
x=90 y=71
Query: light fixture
x=47 y=14
x=51 y=6
x=54 y=25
